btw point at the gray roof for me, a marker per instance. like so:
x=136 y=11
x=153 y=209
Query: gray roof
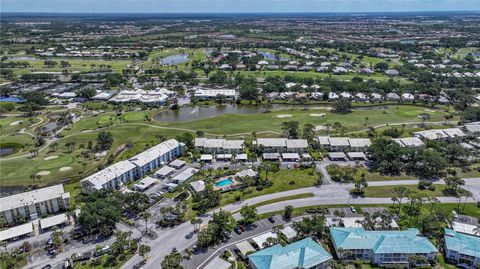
x=272 y=142
x=33 y=197
x=164 y=171
x=218 y=263
x=198 y=185
x=297 y=143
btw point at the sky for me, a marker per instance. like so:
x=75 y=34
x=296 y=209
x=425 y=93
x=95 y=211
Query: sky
x=235 y=6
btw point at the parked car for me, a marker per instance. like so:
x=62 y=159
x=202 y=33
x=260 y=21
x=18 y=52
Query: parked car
x=238 y=230
x=82 y=257
x=353 y=209
x=48 y=266
x=271 y=219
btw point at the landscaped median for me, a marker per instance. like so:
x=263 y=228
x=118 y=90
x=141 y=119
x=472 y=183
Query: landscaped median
x=387 y=191
x=284 y=198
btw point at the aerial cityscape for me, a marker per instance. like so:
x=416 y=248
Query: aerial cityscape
x=215 y=134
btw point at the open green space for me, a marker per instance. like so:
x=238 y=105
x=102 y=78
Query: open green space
x=387 y=191
x=76 y=65
x=375 y=176
x=283 y=180
x=272 y=121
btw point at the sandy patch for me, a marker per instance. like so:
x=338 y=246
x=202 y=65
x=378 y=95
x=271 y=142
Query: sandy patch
x=318 y=115
x=43 y=173
x=15 y=123
x=284 y=116
x=50 y=158
x=65 y=168
x=320 y=127
x=429 y=110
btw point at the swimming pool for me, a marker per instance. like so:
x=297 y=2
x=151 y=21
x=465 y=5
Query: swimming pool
x=224 y=182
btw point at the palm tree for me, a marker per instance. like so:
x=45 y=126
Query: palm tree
x=143 y=250
x=145 y=216
x=366 y=121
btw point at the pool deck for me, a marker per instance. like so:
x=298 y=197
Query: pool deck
x=234 y=185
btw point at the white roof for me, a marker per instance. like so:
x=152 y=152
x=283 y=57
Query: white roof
x=289 y=232
x=259 y=240
x=244 y=247
x=297 y=143
x=206 y=157
x=199 y=141
x=177 y=163
x=233 y=144
x=472 y=128
x=213 y=143
x=53 y=220
x=454 y=132
x=431 y=134
x=464 y=227
x=145 y=183
x=198 y=185
x=185 y=175
x=218 y=263
x=224 y=156
x=106 y=175
x=242 y=156
x=16 y=231
x=247 y=172
x=164 y=171
x=323 y=140
x=356 y=155
x=272 y=142
x=409 y=142
x=271 y=156
x=337 y=155
x=102 y=96
x=359 y=142
x=154 y=152
x=290 y=156
x=32 y=197
x=339 y=141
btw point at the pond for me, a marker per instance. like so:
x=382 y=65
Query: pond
x=22 y=58
x=202 y=112
x=175 y=59
x=6 y=151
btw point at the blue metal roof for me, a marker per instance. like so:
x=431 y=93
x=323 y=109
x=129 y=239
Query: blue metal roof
x=462 y=243
x=301 y=254
x=407 y=241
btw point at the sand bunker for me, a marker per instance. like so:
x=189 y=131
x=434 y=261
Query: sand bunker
x=65 y=168
x=43 y=173
x=15 y=123
x=429 y=110
x=50 y=158
x=284 y=116
x=320 y=127
x=318 y=115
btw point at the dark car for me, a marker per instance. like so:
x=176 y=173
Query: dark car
x=52 y=252
x=271 y=219
x=250 y=227
x=139 y=265
x=48 y=266
x=82 y=257
x=189 y=235
x=237 y=230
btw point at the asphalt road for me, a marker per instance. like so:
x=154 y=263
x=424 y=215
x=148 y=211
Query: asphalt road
x=325 y=195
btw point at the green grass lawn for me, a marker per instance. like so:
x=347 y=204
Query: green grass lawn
x=375 y=176
x=17 y=171
x=282 y=180
x=76 y=65
x=246 y=123
x=387 y=191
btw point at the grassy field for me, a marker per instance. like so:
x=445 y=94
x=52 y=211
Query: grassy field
x=282 y=181
x=387 y=191
x=17 y=171
x=76 y=65
x=375 y=176
x=247 y=123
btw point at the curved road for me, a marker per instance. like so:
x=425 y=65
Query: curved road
x=325 y=195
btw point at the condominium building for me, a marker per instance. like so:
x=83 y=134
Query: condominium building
x=136 y=167
x=463 y=249
x=34 y=204
x=219 y=146
x=281 y=145
x=305 y=253
x=383 y=248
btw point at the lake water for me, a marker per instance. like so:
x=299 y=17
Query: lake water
x=6 y=151
x=175 y=59
x=202 y=112
x=22 y=58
